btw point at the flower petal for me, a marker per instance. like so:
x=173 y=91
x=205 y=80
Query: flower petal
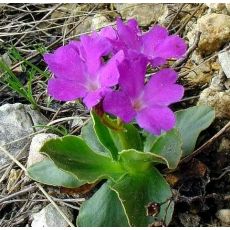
x=172 y=47
x=65 y=63
x=118 y=104
x=132 y=74
x=108 y=32
x=156 y=119
x=109 y=73
x=153 y=38
x=158 y=61
x=111 y=34
x=162 y=90
x=92 y=98
x=133 y=24
x=65 y=90
x=128 y=35
x=95 y=47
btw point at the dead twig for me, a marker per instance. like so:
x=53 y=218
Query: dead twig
x=176 y=15
x=226 y=170
x=189 y=18
x=39 y=22
x=12 y=163
x=29 y=189
x=184 y=73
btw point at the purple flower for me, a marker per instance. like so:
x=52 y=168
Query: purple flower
x=157 y=45
x=80 y=72
x=148 y=103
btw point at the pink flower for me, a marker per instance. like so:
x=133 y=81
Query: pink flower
x=156 y=44
x=148 y=103
x=80 y=72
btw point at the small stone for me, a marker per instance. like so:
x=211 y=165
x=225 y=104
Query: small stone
x=215 y=66
x=224 y=145
x=2 y=6
x=75 y=12
x=84 y=27
x=37 y=142
x=215 y=29
x=77 y=122
x=67 y=9
x=17 y=121
x=50 y=217
x=201 y=75
x=227 y=5
x=189 y=219
x=222 y=8
x=224 y=59
x=219 y=100
x=224 y=215
x=216 y=6
x=218 y=81
x=145 y=14
x=13 y=177
x=99 y=21
x=227 y=84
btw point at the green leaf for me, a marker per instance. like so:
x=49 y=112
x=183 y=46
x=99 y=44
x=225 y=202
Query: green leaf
x=166 y=212
x=169 y=147
x=103 y=135
x=137 y=191
x=128 y=138
x=103 y=209
x=190 y=122
x=73 y=155
x=46 y=172
x=135 y=162
x=149 y=142
x=89 y=136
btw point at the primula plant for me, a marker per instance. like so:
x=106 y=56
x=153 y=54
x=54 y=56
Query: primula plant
x=132 y=128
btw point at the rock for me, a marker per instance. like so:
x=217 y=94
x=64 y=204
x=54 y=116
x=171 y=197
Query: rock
x=199 y=76
x=12 y=179
x=144 y=13
x=224 y=216
x=75 y=12
x=224 y=145
x=227 y=84
x=223 y=8
x=203 y=73
x=217 y=82
x=2 y=6
x=77 y=122
x=17 y=121
x=35 y=146
x=99 y=21
x=189 y=219
x=219 y=100
x=227 y=5
x=84 y=27
x=50 y=217
x=224 y=59
x=69 y=9
x=215 y=30
x=216 y=6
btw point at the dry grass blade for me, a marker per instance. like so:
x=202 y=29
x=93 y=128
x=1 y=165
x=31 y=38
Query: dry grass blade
x=39 y=22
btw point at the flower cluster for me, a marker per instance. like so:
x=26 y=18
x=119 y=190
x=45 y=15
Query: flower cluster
x=110 y=66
